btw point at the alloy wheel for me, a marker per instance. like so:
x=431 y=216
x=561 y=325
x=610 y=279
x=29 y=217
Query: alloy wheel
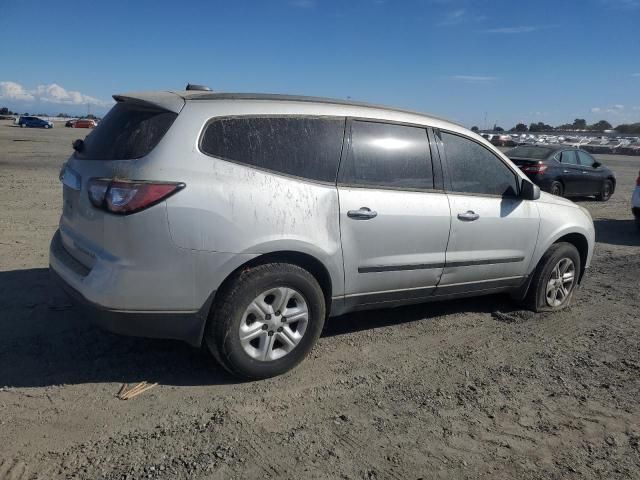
x=561 y=282
x=274 y=323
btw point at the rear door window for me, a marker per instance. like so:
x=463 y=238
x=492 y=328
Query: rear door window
x=128 y=131
x=307 y=147
x=568 y=157
x=474 y=169
x=388 y=156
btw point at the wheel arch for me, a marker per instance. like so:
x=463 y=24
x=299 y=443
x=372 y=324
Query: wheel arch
x=303 y=260
x=582 y=245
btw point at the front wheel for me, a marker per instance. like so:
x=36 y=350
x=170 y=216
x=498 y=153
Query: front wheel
x=555 y=279
x=266 y=321
x=605 y=191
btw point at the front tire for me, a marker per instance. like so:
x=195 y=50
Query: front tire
x=266 y=321
x=555 y=279
x=605 y=191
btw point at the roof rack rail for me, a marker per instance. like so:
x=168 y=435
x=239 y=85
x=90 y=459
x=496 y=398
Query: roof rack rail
x=194 y=86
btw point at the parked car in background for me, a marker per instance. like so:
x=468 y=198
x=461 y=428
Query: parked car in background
x=85 y=123
x=71 y=123
x=503 y=140
x=631 y=149
x=635 y=202
x=195 y=233
x=34 y=122
x=564 y=171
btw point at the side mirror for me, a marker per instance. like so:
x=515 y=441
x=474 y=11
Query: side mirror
x=529 y=191
x=78 y=145
x=596 y=164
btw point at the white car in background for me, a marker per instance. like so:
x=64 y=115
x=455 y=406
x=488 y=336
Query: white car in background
x=635 y=202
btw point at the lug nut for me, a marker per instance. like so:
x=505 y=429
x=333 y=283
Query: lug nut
x=278 y=313
x=268 y=316
x=283 y=319
x=280 y=329
x=270 y=333
x=265 y=327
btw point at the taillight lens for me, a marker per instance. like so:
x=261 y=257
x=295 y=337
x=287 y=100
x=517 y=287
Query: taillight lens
x=124 y=197
x=538 y=168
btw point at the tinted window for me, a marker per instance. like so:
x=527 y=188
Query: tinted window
x=385 y=155
x=128 y=131
x=568 y=157
x=585 y=159
x=474 y=169
x=539 y=153
x=302 y=146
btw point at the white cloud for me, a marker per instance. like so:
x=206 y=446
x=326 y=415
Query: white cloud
x=635 y=74
x=459 y=16
x=15 y=91
x=519 y=29
x=621 y=4
x=473 y=78
x=52 y=93
x=612 y=109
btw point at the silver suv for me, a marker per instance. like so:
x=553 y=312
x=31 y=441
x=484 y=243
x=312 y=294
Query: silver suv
x=245 y=220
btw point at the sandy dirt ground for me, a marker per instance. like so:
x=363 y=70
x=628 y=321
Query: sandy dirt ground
x=470 y=389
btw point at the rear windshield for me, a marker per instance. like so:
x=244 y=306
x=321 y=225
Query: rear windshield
x=539 y=153
x=128 y=131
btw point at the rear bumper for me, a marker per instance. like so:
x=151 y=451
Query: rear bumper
x=185 y=326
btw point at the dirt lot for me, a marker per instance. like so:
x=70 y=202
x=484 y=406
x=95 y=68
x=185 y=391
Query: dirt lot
x=468 y=389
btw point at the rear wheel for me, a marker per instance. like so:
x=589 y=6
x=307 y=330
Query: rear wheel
x=556 y=189
x=605 y=191
x=555 y=279
x=266 y=321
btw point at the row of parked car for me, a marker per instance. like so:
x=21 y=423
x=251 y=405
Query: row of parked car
x=602 y=144
x=26 y=121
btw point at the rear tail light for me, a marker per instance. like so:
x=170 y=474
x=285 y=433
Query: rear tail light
x=537 y=168
x=124 y=197
x=638 y=180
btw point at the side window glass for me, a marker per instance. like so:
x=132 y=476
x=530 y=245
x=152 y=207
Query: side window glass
x=474 y=169
x=386 y=155
x=568 y=157
x=585 y=159
x=307 y=147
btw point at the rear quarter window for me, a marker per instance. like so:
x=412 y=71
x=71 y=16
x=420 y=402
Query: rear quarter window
x=307 y=147
x=127 y=132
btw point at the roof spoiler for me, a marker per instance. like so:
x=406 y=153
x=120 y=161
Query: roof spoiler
x=165 y=100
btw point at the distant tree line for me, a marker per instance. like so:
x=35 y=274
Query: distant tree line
x=578 y=124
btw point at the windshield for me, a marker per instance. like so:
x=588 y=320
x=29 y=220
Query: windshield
x=539 y=153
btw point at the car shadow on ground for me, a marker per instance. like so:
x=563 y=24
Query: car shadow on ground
x=45 y=341
x=617 y=232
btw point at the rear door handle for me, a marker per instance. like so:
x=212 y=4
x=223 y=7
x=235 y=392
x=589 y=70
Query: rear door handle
x=565 y=171
x=468 y=216
x=364 y=213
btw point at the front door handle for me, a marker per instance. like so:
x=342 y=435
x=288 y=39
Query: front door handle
x=364 y=213
x=468 y=216
x=565 y=171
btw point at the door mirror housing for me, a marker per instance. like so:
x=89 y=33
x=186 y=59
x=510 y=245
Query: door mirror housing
x=529 y=191
x=596 y=164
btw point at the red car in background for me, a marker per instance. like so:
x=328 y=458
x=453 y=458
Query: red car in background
x=85 y=123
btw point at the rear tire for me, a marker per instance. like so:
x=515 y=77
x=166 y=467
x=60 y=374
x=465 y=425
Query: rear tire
x=637 y=221
x=248 y=330
x=555 y=279
x=556 y=189
x=605 y=191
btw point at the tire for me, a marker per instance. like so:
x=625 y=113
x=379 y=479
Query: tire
x=637 y=221
x=22 y=125
x=556 y=189
x=537 y=299
x=605 y=191
x=245 y=306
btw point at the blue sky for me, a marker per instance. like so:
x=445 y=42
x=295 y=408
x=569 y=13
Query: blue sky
x=547 y=60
